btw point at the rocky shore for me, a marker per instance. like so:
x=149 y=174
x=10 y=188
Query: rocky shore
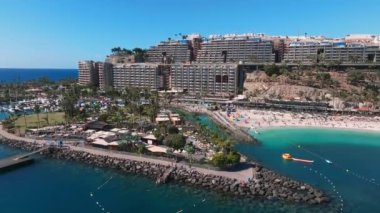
x=265 y=183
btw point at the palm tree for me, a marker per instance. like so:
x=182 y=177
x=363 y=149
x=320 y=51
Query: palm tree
x=23 y=113
x=37 y=110
x=47 y=116
x=68 y=104
x=45 y=119
x=190 y=149
x=18 y=128
x=139 y=54
x=151 y=111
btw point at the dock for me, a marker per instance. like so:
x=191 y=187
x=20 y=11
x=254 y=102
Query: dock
x=18 y=160
x=12 y=162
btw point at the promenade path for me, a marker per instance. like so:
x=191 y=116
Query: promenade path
x=241 y=175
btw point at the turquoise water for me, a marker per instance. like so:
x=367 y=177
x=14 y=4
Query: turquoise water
x=354 y=175
x=3 y=115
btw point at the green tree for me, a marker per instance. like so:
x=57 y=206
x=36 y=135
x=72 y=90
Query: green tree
x=103 y=117
x=140 y=54
x=175 y=141
x=271 y=69
x=173 y=130
x=141 y=149
x=24 y=115
x=68 y=104
x=324 y=78
x=116 y=50
x=355 y=77
x=233 y=157
x=190 y=149
x=157 y=134
x=37 y=110
x=151 y=111
x=225 y=145
x=219 y=160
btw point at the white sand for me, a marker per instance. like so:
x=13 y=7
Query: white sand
x=263 y=119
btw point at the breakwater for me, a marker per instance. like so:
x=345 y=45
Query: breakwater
x=265 y=184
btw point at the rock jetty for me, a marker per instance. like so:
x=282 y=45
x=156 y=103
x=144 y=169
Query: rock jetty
x=265 y=183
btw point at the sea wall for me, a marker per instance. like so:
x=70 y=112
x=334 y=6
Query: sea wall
x=265 y=184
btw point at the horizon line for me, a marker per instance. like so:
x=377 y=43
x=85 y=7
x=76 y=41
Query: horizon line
x=39 y=68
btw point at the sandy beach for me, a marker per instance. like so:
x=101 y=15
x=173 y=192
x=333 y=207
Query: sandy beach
x=251 y=118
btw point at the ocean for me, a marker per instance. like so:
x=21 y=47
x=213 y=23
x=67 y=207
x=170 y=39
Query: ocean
x=353 y=177
x=61 y=186
x=8 y=75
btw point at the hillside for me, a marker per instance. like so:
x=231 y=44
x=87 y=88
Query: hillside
x=350 y=88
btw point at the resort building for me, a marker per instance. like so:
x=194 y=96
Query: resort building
x=184 y=50
x=166 y=116
x=216 y=66
x=143 y=75
x=168 y=52
x=175 y=118
x=162 y=118
x=88 y=73
x=235 y=49
x=105 y=75
x=341 y=52
x=205 y=79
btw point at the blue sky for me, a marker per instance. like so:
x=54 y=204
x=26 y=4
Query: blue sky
x=58 y=33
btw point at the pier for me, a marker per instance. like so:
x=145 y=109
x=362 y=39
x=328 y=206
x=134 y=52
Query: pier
x=18 y=160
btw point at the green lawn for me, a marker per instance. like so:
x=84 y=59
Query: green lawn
x=32 y=121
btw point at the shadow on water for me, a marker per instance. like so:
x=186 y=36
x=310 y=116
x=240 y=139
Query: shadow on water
x=240 y=167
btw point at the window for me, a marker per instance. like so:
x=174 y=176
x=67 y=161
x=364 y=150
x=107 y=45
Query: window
x=225 y=79
x=218 y=78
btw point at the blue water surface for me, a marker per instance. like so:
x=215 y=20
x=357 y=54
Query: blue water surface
x=3 y=115
x=61 y=186
x=353 y=177
x=8 y=75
